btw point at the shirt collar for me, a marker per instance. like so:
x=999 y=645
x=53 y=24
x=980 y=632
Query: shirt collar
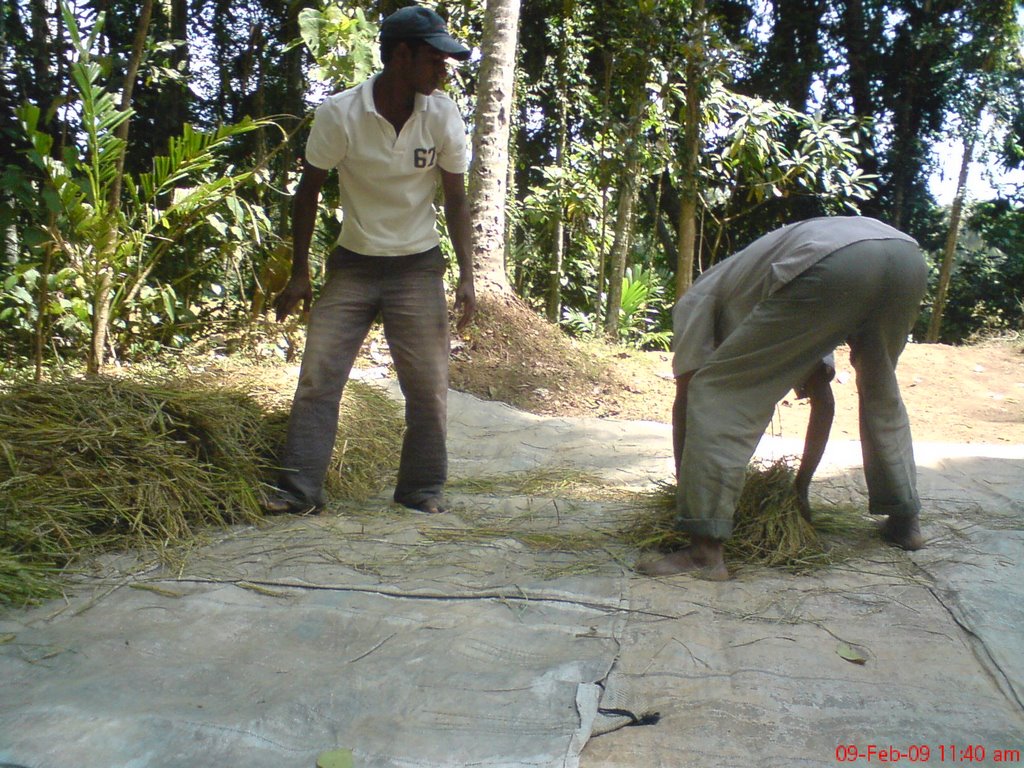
x=420 y=105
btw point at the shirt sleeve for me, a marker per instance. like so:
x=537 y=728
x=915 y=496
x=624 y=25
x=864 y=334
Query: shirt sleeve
x=327 y=144
x=453 y=153
x=693 y=331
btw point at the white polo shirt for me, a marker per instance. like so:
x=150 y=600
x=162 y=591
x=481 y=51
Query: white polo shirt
x=387 y=181
x=721 y=298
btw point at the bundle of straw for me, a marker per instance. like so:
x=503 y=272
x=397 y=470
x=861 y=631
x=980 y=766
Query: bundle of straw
x=102 y=463
x=768 y=528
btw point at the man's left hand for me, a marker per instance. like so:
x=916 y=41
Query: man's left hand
x=465 y=304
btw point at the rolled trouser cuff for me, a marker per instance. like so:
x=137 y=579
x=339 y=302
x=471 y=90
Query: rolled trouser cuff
x=706 y=495
x=292 y=489
x=420 y=496
x=715 y=527
x=709 y=529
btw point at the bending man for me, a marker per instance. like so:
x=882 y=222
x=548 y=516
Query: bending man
x=763 y=322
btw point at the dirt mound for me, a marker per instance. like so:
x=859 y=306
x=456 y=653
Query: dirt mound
x=513 y=355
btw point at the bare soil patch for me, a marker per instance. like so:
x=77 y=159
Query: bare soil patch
x=962 y=394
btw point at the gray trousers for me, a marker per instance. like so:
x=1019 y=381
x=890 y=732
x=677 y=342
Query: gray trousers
x=408 y=293
x=867 y=294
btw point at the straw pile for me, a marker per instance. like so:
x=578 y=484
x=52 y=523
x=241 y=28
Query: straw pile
x=768 y=528
x=100 y=464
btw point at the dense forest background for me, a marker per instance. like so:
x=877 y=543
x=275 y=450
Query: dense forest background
x=149 y=149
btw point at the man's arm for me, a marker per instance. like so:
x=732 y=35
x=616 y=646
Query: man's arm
x=456 y=214
x=304 y=209
x=679 y=417
x=823 y=408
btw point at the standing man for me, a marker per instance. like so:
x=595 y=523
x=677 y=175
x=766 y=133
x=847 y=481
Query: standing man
x=764 y=321
x=391 y=139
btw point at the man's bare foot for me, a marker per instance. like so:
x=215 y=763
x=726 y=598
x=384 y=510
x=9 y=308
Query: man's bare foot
x=432 y=506
x=275 y=505
x=681 y=562
x=703 y=558
x=904 y=532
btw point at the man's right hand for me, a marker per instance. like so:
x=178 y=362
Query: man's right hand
x=298 y=289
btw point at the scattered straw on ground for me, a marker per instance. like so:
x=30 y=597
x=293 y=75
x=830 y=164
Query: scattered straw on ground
x=557 y=481
x=769 y=529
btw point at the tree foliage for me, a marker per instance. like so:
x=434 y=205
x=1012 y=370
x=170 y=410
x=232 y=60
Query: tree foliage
x=986 y=288
x=103 y=251
x=627 y=122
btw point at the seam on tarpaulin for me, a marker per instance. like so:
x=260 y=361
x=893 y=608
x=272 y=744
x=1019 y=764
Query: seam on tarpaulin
x=618 y=607
x=981 y=652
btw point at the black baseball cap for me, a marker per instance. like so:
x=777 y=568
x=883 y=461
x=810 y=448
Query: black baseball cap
x=418 y=23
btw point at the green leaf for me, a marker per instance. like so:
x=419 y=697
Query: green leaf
x=214 y=221
x=169 y=298
x=52 y=199
x=64 y=275
x=82 y=310
x=335 y=758
x=311 y=22
x=851 y=654
x=18 y=292
x=235 y=208
x=28 y=113
x=30 y=277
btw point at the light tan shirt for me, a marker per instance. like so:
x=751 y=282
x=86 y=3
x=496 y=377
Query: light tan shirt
x=723 y=296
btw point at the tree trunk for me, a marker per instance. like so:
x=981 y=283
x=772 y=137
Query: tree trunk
x=510 y=194
x=794 y=50
x=620 y=246
x=223 y=42
x=949 y=252
x=554 y=295
x=100 y=322
x=553 y=305
x=858 y=51
x=40 y=22
x=294 y=105
x=104 y=283
x=45 y=87
x=1002 y=42
x=691 y=156
x=922 y=52
x=11 y=242
x=658 y=213
x=175 y=95
x=42 y=300
x=138 y=47
x=489 y=172
x=599 y=294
